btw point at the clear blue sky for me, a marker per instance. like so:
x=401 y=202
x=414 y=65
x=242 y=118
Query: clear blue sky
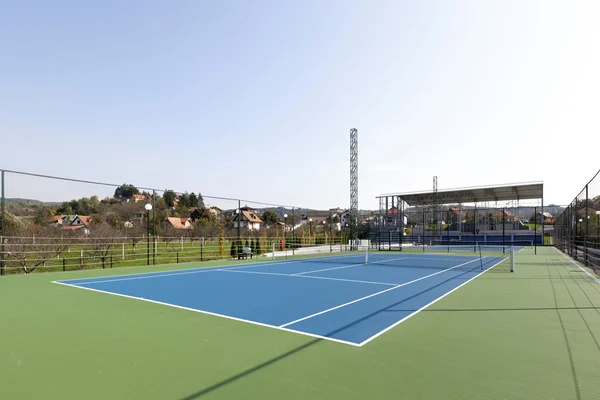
x=255 y=99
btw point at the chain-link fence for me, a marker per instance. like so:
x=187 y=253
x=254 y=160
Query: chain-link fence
x=464 y=225
x=577 y=229
x=54 y=224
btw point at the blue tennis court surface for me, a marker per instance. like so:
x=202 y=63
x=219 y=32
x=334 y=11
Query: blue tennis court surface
x=339 y=300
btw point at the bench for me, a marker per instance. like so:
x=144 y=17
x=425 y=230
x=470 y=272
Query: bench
x=246 y=251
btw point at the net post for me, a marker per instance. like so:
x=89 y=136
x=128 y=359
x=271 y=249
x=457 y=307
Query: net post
x=480 y=258
x=512 y=258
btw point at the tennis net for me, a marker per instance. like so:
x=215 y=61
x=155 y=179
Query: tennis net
x=439 y=256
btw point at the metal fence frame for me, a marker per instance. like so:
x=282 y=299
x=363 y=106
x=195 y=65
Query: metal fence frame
x=577 y=229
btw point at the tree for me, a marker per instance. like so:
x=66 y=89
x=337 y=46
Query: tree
x=184 y=200
x=30 y=254
x=103 y=238
x=169 y=198
x=270 y=217
x=43 y=216
x=125 y=191
x=182 y=211
x=12 y=225
x=264 y=241
x=195 y=215
x=233 y=251
x=193 y=200
x=222 y=244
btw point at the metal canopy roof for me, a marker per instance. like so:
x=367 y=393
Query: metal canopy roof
x=518 y=191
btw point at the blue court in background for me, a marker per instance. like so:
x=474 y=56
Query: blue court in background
x=336 y=300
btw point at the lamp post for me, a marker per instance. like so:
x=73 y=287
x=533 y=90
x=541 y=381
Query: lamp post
x=284 y=228
x=148 y=207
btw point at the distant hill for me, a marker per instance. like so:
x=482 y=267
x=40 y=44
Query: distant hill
x=31 y=202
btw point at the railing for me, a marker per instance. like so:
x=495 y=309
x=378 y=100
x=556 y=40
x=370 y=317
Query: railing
x=577 y=229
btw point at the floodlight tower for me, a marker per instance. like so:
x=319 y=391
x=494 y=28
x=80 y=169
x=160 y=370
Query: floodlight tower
x=354 y=183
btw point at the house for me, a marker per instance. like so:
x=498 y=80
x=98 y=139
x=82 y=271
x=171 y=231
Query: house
x=336 y=211
x=216 y=211
x=345 y=217
x=392 y=216
x=247 y=218
x=500 y=215
x=455 y=215
x=548 y=218
x=180 y=223
x=141 y=198
x=72 y=222
x=314 y=219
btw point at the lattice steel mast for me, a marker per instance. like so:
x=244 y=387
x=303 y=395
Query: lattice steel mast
x=354 y=183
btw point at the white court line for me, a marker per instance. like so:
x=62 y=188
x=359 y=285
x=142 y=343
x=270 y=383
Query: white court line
x=578 y=266
x=160 y=274
x=141 y=277
x=307 y=276
x=327 y=269
x=375 y=294
x=348 y=266
x=425 y=306
x=388 y=260
x=213 y=314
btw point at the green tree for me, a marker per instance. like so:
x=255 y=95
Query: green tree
x=195 y=215
x=200 y=201
x=11 y=224
x=270 y=217
x=233 y=251
x=222 y=244
x=193 y=200
x=43 y=216
x=184 y=200
x=125 y=191
x=169 y=198
x=264 y=241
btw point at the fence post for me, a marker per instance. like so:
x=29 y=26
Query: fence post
x=177 y=257
x=154 y=254
x=535 y=230
x=2 y=239
x=123 y=252
x=64 y=265
x=201 y=255
x=587 y=226
x=111 y=263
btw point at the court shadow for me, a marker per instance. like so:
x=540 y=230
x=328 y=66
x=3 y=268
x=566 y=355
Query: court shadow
x=295 y=350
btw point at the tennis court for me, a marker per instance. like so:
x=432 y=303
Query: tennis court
x=335 y=297
x=530 y=334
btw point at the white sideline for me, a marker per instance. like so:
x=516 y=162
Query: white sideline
x=308 y=277
x=213 y=314
x=375 y=294
x=187 y=271
x=425 y=306
x=588 y=273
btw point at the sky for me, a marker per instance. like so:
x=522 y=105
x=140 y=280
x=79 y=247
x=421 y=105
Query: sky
x=256 y=99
